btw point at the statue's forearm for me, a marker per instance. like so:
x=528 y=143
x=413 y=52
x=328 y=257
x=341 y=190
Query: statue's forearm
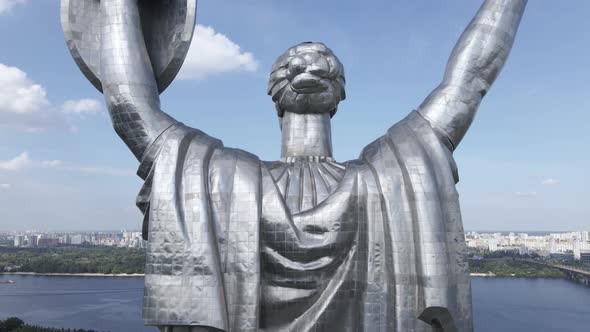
x=476 y=61
x=127 y=77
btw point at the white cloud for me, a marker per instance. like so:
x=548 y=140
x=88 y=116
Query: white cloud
x=7 y=5
x=5 y=186
x=18 y=94
x=97 y=170
x=550 y=182
x=24 y=104
x=23 y=161
x=81 y=106
x=51 y=163
x=526 y=193
x=213 y=53
x=17 y=163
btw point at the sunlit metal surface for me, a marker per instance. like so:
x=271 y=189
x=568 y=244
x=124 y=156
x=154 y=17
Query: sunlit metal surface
x=304 y=243
x=167 y=26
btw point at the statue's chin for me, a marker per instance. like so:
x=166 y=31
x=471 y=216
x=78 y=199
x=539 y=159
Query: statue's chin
x=303 y=103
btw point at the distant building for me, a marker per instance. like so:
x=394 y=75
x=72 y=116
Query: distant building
x=511 y=239
x=577 y=250
x=562 y=257
x=585 y=258
x=492 y=246
x=32 y=240
x=48 y=242
x=19 y=240
x=76 y=239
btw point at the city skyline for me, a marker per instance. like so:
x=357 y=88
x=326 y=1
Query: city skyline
x=575 y=243
x=520 y=165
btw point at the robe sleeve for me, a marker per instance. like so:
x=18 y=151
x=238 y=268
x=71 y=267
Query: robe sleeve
x=415 y=175
x=198 y=271
x=183 y=277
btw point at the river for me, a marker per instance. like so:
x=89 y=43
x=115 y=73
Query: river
x=114 y=304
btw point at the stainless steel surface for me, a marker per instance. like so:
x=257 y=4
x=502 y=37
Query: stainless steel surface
x=167 y=25
x=306 y=135
x=307 y=78
x=473 y=67
x=304 y=243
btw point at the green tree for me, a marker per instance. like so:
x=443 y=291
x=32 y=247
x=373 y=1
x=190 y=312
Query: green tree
x=12 y=324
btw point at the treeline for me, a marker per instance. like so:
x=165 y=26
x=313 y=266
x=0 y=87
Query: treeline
x=513 y=253
x=14 y=324
x=115 y=260
x=513 y=268
x=72 y=260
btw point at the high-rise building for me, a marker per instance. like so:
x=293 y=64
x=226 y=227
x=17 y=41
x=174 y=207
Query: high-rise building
x=577 y=250
x=76 y=239
x=48 y=242
x=19 y=240
x=32 y=240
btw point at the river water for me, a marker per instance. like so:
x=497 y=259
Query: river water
x=114 y=304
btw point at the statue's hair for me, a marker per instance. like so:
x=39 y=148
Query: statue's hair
x=280 y=76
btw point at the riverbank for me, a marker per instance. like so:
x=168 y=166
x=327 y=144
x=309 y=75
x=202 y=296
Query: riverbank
x=74 y=260
x=512 y=268
x=74 y=274
x=129 y=262
x=135 y=275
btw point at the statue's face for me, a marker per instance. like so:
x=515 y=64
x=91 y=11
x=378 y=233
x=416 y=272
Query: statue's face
x=307 y=78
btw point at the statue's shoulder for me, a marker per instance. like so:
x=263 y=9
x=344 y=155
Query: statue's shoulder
x=225 y=161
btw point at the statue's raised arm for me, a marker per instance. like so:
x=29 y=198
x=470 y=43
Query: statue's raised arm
x=473 y=66
x=131 y=51
x=128 y=80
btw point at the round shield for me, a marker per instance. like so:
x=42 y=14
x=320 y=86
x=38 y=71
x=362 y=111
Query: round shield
x=168 y=27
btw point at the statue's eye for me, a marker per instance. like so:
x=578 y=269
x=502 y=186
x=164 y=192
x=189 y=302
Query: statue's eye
x=320 y=67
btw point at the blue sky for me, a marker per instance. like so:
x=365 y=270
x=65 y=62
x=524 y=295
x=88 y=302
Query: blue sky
x=523 y=165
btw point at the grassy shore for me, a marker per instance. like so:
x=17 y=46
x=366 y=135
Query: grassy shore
x=130 y=262
x=73 y=260
x=512 y=268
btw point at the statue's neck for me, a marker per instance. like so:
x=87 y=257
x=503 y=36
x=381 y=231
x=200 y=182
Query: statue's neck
x=306 y=135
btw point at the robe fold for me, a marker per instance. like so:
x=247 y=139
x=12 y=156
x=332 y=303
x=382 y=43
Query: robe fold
x=243 y=245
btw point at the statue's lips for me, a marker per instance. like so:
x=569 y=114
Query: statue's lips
x=308 y=83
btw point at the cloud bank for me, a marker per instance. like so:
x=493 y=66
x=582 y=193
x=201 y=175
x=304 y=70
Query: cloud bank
x=213 y=53
x=82 y=106
x=23 y=161
x=18 y=93
x=550 y=182
x=6 y=6
x=24 y=104
x=17 y=163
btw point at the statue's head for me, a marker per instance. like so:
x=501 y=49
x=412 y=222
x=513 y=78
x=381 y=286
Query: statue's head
x=307 y=78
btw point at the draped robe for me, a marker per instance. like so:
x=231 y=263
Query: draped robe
x=240 y=244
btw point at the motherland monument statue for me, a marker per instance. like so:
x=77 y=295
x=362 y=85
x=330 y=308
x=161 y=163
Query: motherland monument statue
x=305 y=243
